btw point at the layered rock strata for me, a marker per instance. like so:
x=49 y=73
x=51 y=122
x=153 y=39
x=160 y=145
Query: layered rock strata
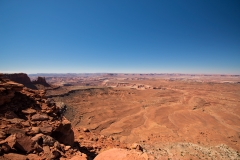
x=31 y=126
x=21 y=78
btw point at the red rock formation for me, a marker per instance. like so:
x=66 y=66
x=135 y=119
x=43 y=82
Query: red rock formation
x=7 y=90
x=29 y=124
x=20 y=78
x=42 y=81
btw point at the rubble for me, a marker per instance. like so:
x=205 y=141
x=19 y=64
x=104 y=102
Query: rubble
x=27 y=131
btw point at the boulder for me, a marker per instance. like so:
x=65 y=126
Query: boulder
x=58 y=146
x=15 y=131
x=15 y=120
x=16 y=156
x=67 y=148
x=137 y=146
x=33 y=157
x=45 y=139
x=85 y=130
x=40 y=117
x=24 y=143
x=48 y=140
x=46 y=129
x=47 y=152
x=25 y=124
x=11 y=140
x=64 y=133
x=38 y=148
x=29 y=111
x=37 y=137
x=35 y=130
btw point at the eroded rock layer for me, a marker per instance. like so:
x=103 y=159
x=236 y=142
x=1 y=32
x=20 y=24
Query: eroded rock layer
x=18 y=77
x=21 y=78
x=33 y=127
x=31 y=124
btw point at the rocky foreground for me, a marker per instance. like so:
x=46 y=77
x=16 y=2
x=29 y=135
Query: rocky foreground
x=33 y=127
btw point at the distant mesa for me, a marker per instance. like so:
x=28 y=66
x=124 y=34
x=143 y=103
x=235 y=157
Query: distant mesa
x=112 y=74
x=66 y=84
x=42 y=81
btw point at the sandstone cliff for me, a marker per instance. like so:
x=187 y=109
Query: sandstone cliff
x=32 y=127
x=20 y=78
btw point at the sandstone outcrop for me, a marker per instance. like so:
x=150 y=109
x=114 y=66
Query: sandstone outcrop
x=21 y=78
x=7 y=90
x=18 y=77
x=32 y=127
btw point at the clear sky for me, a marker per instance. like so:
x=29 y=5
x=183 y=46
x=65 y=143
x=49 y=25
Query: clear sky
x=85 y=36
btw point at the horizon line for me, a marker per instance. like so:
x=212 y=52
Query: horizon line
x=166 y=73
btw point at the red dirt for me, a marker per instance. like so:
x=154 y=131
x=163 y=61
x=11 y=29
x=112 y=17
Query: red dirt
x=180 y=118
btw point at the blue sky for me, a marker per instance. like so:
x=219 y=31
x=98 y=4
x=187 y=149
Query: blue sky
x=157 y=36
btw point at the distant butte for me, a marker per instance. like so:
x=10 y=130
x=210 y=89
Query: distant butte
x=42 y=81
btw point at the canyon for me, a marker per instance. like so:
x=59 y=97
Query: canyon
x=154 y=116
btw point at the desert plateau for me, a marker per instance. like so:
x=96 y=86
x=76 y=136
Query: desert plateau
x=111 y=116
x=120 y=80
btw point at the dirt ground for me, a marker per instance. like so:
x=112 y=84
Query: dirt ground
x=176 y=117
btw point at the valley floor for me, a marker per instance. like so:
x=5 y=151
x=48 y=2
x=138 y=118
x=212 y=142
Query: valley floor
x=170 y=119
